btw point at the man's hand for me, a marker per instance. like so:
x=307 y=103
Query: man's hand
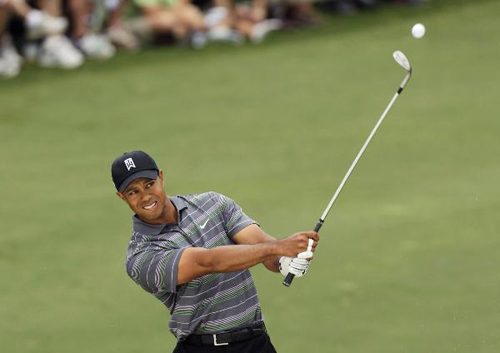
x=298 y=243
x=297 y=266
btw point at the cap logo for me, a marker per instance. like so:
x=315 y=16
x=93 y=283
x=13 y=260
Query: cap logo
x=129 y=163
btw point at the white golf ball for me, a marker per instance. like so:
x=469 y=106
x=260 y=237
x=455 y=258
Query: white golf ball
x=418 y=31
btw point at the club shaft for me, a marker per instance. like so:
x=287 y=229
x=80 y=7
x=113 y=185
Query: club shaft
x=358 y=157
x=289 y=278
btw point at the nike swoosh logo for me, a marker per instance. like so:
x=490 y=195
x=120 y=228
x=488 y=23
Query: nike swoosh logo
x=204 y=224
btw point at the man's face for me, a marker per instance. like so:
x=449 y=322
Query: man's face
x=146 y=197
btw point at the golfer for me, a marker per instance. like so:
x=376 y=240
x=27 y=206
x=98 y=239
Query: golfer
x=193 y=253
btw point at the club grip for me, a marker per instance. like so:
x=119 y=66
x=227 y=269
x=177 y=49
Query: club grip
x=290 y=276
x=288 y=279
x=318 y=225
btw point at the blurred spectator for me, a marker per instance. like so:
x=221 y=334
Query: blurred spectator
x=297 y=13
x=10 y=61
x=39 y=24
x=84 y=33
x=46 y=25
x=220 y=22
x=56 y=50
x=252 y=20
x=115 y=29
x=37 y=27
x=179 y=18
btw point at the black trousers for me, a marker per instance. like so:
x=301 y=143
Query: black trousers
x=259 y=344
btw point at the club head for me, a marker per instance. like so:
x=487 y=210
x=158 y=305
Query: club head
x=402 y=60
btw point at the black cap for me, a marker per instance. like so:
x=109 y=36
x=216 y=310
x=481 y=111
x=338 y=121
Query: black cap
x=130 y=166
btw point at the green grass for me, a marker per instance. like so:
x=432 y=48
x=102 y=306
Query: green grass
x=408 y=260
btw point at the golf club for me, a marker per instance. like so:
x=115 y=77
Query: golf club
x=405 y=64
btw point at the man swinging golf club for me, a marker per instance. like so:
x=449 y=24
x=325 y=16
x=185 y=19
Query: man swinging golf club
x=193 y=253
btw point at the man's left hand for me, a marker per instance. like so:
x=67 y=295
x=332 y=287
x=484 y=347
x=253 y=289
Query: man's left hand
x=296 y=266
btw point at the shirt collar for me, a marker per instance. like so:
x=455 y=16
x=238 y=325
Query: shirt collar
x=155 y=229
x=179 y=203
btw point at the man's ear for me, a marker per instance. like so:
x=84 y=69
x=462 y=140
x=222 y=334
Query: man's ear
x=160 y=175
x=121 y=196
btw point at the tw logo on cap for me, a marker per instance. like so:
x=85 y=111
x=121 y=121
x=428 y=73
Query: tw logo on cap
x=129 y=163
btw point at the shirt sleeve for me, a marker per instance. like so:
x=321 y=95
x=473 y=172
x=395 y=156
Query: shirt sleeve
x=234 y=217
x=154 y=268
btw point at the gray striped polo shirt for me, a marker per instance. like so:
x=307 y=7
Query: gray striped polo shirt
x=211 y=303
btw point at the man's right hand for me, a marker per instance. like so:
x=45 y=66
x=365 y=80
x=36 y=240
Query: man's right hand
x=297 y=266
x=297 y=243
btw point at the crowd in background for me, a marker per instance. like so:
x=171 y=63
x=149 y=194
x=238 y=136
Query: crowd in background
x=65 y=33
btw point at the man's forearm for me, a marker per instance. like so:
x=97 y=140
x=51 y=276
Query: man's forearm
x=196 y=262
x=273 y=264
x=239 y=257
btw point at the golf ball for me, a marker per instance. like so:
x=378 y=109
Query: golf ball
x=418 y=31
